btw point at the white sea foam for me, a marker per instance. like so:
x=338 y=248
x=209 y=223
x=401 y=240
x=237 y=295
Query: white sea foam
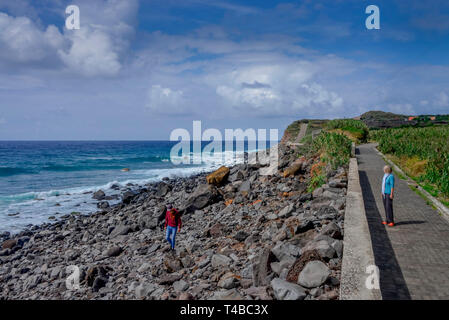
x=37 y=207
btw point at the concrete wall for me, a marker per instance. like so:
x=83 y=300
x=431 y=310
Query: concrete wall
x=358 y=252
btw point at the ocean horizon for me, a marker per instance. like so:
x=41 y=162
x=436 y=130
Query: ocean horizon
x=40 y=179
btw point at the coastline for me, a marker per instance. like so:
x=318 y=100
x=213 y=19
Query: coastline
x=249 y=238
x=65 y=182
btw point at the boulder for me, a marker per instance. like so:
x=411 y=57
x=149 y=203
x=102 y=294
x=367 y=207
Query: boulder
x=185 y=296
x=305 y=197
x=241 y=236
x=95 y=272
x=245 y=187
x=169 y=279
x=9 y=244
x=148 y=220
x=120 y=230
x=337 y=183
x=172 y=264
x=103 y=205
x=114 y=251
x=294 y=168
x=323 y=247
x=299 y=264
x=332 y=230
x=215 y=231
x=286 y=251
x=31 y=282
x=162 y=189
x=5 y=252
x=261 y=267
x=331 y=195
x=338 y=247
x=231 y=294
x=99 y=283
x=326 y=213
x=287 y=211
x=314 y=274
x=128 y=196
x=219 y=260
x=99 y=195
x=180 y=286
x=228 y=281
x=258 y=292
x=303 y=226
x=144 y=267
x=218 y=177
x=284 y=290
x=317 y=192
x=203 y=196
x=144 y=289
x=238 y=175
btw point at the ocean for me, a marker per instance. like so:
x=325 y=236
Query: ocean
x=40 y=179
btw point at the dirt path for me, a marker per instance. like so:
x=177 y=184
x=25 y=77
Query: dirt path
x=413 y=257
x=302 y=132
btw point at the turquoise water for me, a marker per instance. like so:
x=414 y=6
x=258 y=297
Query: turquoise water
x=49 y=178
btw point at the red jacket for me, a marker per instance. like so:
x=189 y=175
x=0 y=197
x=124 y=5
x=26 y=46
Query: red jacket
x=173 y=220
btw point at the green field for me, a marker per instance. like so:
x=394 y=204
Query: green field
x=423 y=153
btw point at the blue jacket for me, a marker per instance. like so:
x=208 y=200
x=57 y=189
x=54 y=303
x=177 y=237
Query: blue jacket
x=389 y=184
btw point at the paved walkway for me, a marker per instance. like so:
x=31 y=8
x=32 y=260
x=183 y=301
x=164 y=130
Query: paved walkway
x=413 y=257
x=302 y=132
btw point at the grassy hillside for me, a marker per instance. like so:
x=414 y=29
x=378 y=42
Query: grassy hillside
x=381 y=115
x=383 y=120
x=418 y=144
x=355 y=130
x=423 y=153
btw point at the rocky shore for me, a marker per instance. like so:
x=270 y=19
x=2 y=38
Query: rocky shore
x=244 y=236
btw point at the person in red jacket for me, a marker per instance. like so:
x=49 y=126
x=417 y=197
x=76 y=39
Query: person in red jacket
x=173 y=223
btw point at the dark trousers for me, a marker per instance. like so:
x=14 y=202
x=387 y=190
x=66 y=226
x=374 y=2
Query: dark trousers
x=388 y=206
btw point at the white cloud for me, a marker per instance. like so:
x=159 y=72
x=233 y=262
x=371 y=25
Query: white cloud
x=91 y=53
x=97 y=49
x=165 y=100
x=316 y=96
x=22 y=41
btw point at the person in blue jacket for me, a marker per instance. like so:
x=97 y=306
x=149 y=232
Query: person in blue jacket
x=388 y=195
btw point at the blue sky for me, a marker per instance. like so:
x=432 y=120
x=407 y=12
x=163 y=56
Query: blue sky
x=139 y=69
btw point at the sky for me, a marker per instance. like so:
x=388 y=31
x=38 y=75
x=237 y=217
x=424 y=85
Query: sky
x=136 y=70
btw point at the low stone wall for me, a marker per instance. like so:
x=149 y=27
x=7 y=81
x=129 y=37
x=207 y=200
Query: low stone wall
x=358 y=252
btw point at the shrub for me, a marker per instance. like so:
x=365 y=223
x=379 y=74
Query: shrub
x=355 y=128
x=426 y=151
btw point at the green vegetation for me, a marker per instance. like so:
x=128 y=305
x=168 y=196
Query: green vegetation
x=331 y=149
x=334 y=149
x=355 y=130
x=383 y=120
x=381 y=115
x=423 y=153
x=316 y=182
x=293 y=129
